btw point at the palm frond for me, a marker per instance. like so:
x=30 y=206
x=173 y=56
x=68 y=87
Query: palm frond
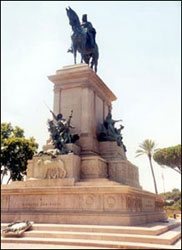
x=139 y=154
x=148 y=147
x=140 y=151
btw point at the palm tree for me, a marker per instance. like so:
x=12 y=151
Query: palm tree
x=148 y=147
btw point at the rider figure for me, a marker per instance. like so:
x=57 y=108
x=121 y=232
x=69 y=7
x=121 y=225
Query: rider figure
x=89 y=29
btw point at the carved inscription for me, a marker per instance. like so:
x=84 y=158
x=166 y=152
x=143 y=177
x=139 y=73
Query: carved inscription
x=111 y=201
x=4 y=202
x=30 y=204
x=148 y=204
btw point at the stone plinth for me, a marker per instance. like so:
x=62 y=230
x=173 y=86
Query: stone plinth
x=46 y=167
x=93 y=167
x=111 y=151
x=111 y=205
x=119 y=168
x=79 y=88
x=123 y=172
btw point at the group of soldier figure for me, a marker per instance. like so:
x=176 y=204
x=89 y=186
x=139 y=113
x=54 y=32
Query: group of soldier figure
x=108 y=132
x=59 y=129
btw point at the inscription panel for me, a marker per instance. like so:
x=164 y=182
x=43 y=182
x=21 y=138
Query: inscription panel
x=148 y=204
x=46 y=202
x=4 y=202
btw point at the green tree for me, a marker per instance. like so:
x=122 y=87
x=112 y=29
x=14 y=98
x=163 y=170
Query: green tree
x=15 y=151
x=170 y=157
x=6 y=131
x=173 y=199
x=148 y=148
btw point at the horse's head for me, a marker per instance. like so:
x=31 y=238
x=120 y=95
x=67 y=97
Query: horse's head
x=73 y=18
x=68 y=10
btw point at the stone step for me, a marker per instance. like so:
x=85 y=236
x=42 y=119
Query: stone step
x=57 y=236
x=167 y=238
x=43 y=246
x=86 y=243
x=177 y=244
x=147 y=229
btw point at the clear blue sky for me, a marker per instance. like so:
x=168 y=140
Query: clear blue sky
x=139 y=44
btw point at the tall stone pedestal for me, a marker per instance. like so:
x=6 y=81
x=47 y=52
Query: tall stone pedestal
x=95 y=183
x=80 y=89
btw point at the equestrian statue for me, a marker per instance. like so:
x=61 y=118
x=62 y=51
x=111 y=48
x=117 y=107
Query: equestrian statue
x=83 y=39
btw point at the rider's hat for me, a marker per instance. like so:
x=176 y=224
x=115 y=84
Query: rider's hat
x=84 y=17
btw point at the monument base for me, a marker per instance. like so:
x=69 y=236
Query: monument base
x=94 y=183
x=98 y=205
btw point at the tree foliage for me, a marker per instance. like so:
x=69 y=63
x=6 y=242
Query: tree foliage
x=148 y=147
x=170 y=157
x=173 y=199
x=6 y=131
x=15 y=151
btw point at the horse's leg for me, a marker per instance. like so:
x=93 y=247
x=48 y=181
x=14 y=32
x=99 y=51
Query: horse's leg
x=92 y=63
x=96 y=66
x=74 y=48
x=81 y=58
x=82 y=54
x=75 y=57
x=74 y=54
x=96 y=57
x=83 y=45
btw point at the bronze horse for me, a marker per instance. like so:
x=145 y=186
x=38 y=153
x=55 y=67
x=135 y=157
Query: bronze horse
x=80 y=41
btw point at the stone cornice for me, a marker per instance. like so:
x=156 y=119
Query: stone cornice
x=80 y=75
x=121 y=189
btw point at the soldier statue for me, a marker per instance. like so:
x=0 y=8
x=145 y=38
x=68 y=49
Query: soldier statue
x=59 y=129
x=89 y=29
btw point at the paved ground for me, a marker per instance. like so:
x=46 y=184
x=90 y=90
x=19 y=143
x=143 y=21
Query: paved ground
x=41 y=246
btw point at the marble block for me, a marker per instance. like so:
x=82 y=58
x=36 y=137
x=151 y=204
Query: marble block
x=119 y=168
x=123 y=172
x=93 y=167
x=110 y=150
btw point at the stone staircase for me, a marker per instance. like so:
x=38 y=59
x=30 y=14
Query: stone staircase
x=58 y=236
